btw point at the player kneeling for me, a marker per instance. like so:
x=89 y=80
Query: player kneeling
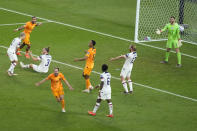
x=45 y=59
x=56 y=86
x=12 y=53
x=104 y=92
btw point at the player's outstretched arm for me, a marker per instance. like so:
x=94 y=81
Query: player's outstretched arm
x=68 y=84
x=118 y=57
x=42 y=81
x=33 y=58
x=39 y=23
x=81 y=59
x=20 y=28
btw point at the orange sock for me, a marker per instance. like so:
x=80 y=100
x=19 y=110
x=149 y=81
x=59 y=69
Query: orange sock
x=88 y=83
x=63 y=105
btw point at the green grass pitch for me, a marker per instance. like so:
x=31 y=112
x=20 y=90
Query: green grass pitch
x=24 y=107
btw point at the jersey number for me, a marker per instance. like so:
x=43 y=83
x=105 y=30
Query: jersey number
x=48 y=62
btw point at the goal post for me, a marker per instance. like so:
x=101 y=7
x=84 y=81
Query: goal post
x=155 y=14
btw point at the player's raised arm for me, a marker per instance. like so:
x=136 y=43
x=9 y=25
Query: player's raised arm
x=81 y=59
x=118 y=57
x=20 y=28
x=40 y=82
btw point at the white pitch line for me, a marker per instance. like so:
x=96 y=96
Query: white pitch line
x=116 y=78
x=89 y=30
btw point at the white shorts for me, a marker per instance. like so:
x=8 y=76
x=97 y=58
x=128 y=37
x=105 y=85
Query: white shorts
x=38 y=69
x=105 y=95
x=12 y=56
x=125 y=72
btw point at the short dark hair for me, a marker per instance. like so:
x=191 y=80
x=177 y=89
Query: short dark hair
x=172 y=17
x=47 y=49
x=133 y=47
x=93 y=42
x=104 y=67
x=57 y=68
x=33 y=17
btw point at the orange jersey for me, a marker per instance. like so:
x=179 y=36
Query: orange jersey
x=29 y=27
x=56 y=81
x=91 y=55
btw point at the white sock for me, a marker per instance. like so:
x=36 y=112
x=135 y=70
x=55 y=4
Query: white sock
x=96 y=107
x=12 y=66
x=25 y=66
x=110 y=108
x=130 y=85
x=125 y=86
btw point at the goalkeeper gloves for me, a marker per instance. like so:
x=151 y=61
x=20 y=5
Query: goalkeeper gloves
x=158 y=32
x=179 y=43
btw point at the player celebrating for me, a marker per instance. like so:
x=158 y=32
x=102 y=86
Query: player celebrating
x=56 y=86
x=28 y=27
x=89 y=57
x=104 y=92
x=173 y=39
x=45 y=59
x=127 y=68
x=12 y=53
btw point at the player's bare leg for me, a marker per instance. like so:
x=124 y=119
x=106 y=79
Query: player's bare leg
x=178 y=57
x=167 y=56
x=130 y=83
x=110 y=108
x=124 y=83
x=93 y=113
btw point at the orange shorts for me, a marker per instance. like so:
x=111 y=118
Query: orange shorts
x=27 y=39
x=87 y=71
x=58 y=92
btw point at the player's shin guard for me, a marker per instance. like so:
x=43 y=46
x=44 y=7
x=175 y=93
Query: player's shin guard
x=110 y=108
x=124 y=83
x=179 y=57
x=130 y=85
x=167 y=56
x=12 y=66
x=63 y=104
x=88 y=84
x=96 y=107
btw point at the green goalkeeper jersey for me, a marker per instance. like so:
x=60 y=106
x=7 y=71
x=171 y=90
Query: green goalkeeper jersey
x=173 y=31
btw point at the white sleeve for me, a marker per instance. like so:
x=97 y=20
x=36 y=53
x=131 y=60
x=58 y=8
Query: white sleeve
x=101 y=77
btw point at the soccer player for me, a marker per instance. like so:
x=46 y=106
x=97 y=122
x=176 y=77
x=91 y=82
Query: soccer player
x=44 y=65
x=104 y=92
x=12 y=53
x=173 y=39
x=56 y=86
x=127 y=68
x=89 y=58
x=28 y=27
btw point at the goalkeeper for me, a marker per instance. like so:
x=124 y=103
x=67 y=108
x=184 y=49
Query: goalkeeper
x=173 y=39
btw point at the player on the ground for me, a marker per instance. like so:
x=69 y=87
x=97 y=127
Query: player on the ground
x=12 y=52
x=44 y=65
x=104 y=92
x=56 y=86
x=28 y=27
x=173 y=39
x=89 y=58
x=127 y=68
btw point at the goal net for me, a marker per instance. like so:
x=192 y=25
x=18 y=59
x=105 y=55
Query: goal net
x=155 y=14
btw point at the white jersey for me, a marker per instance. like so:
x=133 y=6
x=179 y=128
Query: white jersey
x=14 y=45
x=129 y=60
x=106 y=78
x=45 y=62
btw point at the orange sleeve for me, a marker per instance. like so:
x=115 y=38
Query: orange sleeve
x=62 y=76
x=26 y=25
x=88 y=53
x=49 y=77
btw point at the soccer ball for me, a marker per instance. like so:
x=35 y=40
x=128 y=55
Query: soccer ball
x=181 y=28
